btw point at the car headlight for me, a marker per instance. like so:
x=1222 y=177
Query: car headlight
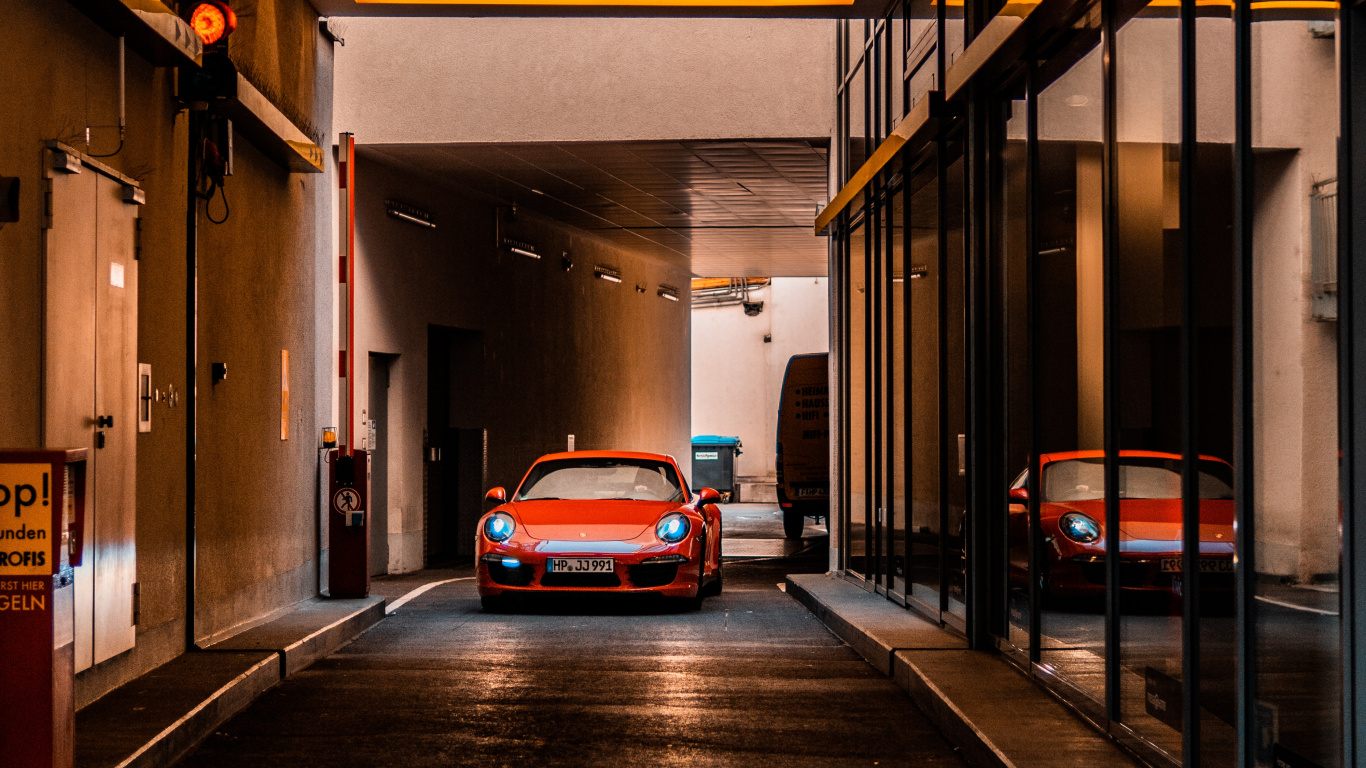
x=672 y=528
x=1079 y=528
x=499 y=526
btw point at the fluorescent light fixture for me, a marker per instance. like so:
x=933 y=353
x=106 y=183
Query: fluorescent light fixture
x=667 y=292
x=409 y=213
x=413 y=219
x=607 y=273
x=521 y=248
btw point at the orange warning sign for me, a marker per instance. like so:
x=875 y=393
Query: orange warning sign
x=25 y=519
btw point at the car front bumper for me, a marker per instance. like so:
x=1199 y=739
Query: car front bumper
x=645 y=570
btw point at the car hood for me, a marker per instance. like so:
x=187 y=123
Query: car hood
x=574 y=520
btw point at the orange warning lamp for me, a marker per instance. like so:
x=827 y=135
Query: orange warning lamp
x=212 y=21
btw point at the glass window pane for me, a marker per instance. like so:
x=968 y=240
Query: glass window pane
x=1069 y=351
x=856 y=541
x=857 y=104
x=1148 y=269
x=922 y=37
x=1294 y=351
x=923 y=281
x=1213 y=288
x=953 y=445
x=1012 y=246
x=877 y=390
x=897 y=355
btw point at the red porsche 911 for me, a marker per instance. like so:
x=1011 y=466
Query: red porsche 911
x=600 y=521
x=1072 y=519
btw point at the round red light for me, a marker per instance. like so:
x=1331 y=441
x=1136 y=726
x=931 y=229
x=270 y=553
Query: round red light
x=212 y=22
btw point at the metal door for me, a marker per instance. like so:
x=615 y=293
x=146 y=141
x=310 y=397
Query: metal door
x=90 y=389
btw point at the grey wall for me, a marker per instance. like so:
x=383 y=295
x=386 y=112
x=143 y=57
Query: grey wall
x=436 y=80
x=264 y=286
x=564 y=353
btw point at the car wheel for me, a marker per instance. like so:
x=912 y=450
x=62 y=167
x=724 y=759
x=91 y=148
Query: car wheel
x=793 y=522
x=713 y=587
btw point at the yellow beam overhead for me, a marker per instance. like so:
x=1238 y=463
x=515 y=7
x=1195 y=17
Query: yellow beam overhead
x=923 y=116
x=921 y=120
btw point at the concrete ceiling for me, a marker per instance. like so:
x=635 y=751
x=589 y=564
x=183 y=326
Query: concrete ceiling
x=716 y=208
x=774 y=9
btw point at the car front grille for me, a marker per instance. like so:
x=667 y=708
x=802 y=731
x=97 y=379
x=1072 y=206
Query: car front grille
x=580 y=580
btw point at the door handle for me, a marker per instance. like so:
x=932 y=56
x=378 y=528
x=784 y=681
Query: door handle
x=104 y=422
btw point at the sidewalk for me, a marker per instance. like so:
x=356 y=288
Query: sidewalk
x=154 y=720
x=994 y=714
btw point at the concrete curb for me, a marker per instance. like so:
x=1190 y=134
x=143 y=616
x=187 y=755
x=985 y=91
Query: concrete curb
x=982 y=705
x=327 y=640
x=874 y=651
x=977 y=747
x=184 y=734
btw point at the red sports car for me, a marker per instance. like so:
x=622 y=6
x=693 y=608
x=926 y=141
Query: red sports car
x=1072 y=519
x=601 y=521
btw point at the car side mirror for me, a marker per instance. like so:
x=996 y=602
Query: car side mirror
x=708 y=496
x=496 y=495
x=1019 y=494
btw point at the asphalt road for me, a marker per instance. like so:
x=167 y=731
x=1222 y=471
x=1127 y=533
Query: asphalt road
x=750 y=679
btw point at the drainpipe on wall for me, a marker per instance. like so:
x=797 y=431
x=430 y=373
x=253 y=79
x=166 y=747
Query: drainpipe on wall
x=196 y=122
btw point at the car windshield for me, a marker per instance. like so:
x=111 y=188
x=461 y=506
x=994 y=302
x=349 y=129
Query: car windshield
x=602 y=478
x=1139 y=478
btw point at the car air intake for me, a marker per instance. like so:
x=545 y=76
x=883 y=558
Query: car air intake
x=510 y=577
x=580 y=580
x=653 y=574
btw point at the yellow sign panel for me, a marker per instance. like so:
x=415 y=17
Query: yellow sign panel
x=25 y=519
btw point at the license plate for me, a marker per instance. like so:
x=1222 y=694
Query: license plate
x=579 y=565
x=808 y=493
x=1207 y=565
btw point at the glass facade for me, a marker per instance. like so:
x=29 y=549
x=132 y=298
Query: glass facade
x=1096 y=359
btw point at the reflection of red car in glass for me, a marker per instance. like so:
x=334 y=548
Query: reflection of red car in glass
x=602 y=521
x=1072 y=521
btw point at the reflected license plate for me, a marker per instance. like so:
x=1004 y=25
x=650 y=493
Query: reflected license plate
x=579 y=565
x=1207 y=565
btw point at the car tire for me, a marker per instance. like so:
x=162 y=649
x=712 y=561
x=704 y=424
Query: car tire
x=793 y=522
x=713 y=587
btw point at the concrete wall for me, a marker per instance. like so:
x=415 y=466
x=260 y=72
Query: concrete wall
x=260 y=275
x=738 y=393
x=408 y=80
x=564 y=353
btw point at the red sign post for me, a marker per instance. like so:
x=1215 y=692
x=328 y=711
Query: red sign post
x=348 y=528
x=348 y=525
